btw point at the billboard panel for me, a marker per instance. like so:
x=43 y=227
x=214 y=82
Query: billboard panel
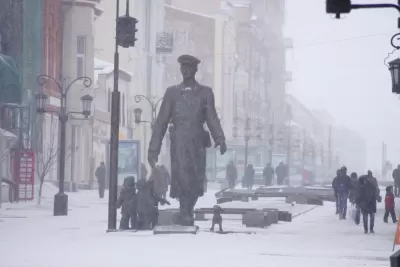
x=128 y=159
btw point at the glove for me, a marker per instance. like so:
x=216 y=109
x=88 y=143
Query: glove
x=222 y=146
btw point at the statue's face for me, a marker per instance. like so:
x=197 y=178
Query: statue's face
x=188 y=71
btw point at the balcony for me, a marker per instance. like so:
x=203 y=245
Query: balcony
x=288 y=43
x=288 y=75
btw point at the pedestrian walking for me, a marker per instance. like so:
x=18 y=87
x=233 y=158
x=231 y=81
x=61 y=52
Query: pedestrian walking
x=343 y=186
x=396 y=178
x=231 y=174
x=101 y=178
x=389 y=205
x=281 y=173
x=268 y=174
x=166 y=177
x=366 y=200
x=249 y=176
x=334 y=187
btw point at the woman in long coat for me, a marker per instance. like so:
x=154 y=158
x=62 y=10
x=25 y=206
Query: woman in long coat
x=188 y=106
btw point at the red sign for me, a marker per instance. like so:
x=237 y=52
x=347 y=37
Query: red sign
x=27 y=175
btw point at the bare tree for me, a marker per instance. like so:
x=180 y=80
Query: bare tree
x=48 y=156
x=45 y=160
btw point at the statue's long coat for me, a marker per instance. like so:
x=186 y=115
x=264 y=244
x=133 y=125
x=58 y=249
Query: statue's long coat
x=188 y=110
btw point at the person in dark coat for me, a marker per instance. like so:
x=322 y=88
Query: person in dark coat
x=366 y=200
x=217 y=218
x=343 y=186
x=389 y=205
x=396 y=178
x=187 y=106
x=127 y=201
x=231 y=174
x=334 y=187
x=101 y=178
x=249 y=176
x=268 y=174
x=281 y=173
x=353 y=190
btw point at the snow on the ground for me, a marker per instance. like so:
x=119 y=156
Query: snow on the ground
x=32 y=237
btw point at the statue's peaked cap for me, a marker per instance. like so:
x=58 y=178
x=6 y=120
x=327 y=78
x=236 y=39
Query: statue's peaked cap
x=188 y=59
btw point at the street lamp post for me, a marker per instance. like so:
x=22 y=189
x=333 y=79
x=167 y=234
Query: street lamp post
x=247 y=136
x=138 y=111
x=61 y=199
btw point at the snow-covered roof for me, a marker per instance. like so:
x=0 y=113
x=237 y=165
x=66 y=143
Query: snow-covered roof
x=187 y=11
x=107 y=68
x=7 y=134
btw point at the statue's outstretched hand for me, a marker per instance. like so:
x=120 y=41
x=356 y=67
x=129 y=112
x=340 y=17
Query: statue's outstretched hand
x=152 y=159
x=222 y=146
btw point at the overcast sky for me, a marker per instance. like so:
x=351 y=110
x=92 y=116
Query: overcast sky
x=338 y=65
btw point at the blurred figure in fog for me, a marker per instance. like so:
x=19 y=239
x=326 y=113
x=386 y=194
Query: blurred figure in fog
x=343 y=186
x=389 y=205
x=231 y=174
x=334 y=181
x=396 y=178
x=268 y=174
x=280 y=172
x=249 y=176
x=101 y=178
x=366 y=200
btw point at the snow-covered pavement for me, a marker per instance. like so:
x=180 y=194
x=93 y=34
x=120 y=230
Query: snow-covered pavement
x=31 y=237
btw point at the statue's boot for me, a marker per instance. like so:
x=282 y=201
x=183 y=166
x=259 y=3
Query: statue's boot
x=192 y=204
x=185 y=218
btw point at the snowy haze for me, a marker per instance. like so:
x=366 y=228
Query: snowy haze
x=338 y=65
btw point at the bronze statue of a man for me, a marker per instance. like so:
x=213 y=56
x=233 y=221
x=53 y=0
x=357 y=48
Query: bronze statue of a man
x=187 y=106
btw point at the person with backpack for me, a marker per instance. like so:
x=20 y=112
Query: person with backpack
x=334 y=182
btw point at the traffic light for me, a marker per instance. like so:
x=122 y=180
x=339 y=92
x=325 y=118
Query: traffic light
x=338 y=7
x=126 y=31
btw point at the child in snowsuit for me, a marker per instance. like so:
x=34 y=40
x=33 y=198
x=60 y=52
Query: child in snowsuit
x=389 y=205
x=217 y=218
x=127 y=202
x=153 y=215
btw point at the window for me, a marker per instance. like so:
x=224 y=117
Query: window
x=123 y=109
x=109 y=100
x=81 y=56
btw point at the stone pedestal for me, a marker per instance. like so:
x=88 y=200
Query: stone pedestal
x=284 y=216
x=168 y=217
x=257 y=219
x=315 y=201
x=298 y=198
x=274 y=215
x=222 y=200
x=199 y=216
x=175 y=229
